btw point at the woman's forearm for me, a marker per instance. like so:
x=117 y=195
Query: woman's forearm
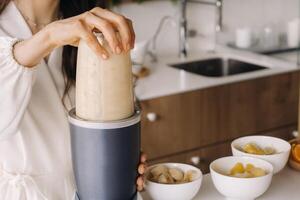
x=31 y=51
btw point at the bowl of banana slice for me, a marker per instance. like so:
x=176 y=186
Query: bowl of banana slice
x=274 y=150
x=174 y=181
x=241 y=177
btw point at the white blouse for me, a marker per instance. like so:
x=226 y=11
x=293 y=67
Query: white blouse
x=35 y=156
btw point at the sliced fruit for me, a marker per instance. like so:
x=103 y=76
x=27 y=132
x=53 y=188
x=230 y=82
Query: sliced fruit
x=158 y=170
x=237 y=169
x=253 y=149
x=250 y=171
x=176 y=174
x=296 y=152
x=249 y=167
x=269 y=151
x=257 y=172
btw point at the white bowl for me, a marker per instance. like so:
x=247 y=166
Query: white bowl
x=240 y=188
x=278 y=160
x=182 y=191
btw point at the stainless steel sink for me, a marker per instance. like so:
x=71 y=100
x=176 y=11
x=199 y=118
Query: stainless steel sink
x=218 y=67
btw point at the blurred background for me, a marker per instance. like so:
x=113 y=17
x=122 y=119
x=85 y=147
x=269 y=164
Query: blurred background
x=210 y=71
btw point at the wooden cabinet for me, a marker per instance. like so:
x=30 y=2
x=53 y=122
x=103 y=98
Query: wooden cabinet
x=210 y=117
x=202 y=157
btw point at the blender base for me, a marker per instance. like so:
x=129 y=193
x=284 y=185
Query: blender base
x=134 y=198
x=105 y=157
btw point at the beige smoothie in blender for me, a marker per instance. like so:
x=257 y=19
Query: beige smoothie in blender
x=104 y=88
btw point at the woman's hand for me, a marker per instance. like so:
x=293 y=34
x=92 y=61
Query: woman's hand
x=141 y=170
x=71 y=30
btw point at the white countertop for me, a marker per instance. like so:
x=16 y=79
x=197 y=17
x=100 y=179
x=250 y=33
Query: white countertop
x=284 y=186
x=164 y=80
x=289 y=56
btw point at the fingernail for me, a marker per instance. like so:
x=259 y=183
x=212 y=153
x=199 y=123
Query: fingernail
x=118 y=50
x=104 y=56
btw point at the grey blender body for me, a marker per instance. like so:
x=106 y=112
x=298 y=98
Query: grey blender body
x=105 y=157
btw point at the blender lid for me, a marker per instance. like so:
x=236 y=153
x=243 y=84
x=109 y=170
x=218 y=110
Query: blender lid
x=134 y=119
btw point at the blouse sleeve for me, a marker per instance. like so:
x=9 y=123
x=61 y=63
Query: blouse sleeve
x=15 y=88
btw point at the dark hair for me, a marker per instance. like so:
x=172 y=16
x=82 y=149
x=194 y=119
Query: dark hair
x=69 y=8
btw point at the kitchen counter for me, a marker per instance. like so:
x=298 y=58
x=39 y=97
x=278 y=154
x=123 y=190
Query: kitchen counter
x=284 y=186
x=164 y=80
x=289 y=56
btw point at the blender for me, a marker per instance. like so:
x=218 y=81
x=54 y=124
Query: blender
x=105 y=127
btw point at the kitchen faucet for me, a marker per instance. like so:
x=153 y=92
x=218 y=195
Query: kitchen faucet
x=183 y=22
x=151 y=49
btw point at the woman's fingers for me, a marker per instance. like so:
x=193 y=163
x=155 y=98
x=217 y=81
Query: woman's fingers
x=87 y=35
x=130 y=24
x=71 y=30
x=140 y=188
x=142 y=168
x=106 y=28
x=140 y=183
x=143 y=158
x=120 y=23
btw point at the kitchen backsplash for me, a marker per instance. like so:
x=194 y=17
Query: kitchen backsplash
x=254 y=14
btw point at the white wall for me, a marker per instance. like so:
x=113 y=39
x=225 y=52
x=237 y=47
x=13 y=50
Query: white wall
x=258 y=14
x=236 y=13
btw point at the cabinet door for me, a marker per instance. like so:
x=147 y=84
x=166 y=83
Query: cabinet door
x=194 y=119
x=287 y=133
x=202 y=157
